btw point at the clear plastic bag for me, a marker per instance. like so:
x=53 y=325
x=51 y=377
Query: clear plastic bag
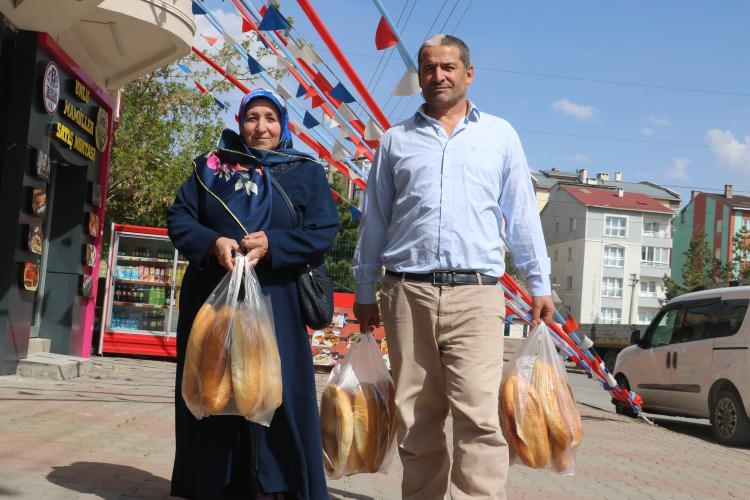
x=358 y=413
x=232 y=364
x=538 y=413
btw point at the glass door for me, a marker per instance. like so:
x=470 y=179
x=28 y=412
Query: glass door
x=48 y=199
x=178 y=271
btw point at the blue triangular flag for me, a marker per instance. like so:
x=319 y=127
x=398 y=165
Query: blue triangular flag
x=219 y=103
x=309 y=121
x=301 y=91
x=198 y=9
x=356 y=213
x=183 y=68
x=254 y=65
x=340 y=93
x=273 y=20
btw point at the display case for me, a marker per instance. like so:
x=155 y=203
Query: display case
x=141 y=303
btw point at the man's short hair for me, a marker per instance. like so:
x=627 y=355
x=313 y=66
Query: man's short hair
x=443 y=39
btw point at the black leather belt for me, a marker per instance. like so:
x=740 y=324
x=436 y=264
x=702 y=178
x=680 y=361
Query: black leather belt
x=447 y=277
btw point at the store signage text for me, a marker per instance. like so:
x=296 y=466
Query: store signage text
x=82 y=92
x=78 y=116
x=74 y=141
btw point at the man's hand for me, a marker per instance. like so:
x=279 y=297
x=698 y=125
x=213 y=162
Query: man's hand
x=368 y=316
x=256 y=245
x=223 y=249
x=542 y=309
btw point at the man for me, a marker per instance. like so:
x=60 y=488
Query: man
x=441 y=185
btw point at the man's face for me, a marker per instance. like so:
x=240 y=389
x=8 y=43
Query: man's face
x=443 y=77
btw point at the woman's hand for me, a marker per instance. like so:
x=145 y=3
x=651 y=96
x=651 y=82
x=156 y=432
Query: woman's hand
x=256 y=245
x=223 y=249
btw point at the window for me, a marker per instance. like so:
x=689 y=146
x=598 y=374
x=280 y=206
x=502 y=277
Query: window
x=654 y=229
x=717 y=253
x=615 y=226
x=557 y=227
x=555 y=255
x=569 y=282
x=655 y=256
x=648 y=288
x=572 y=226
x=745 y=224
x=612 y=287
x=571 y=254
x=713 y=319
x=660 y=333
x=610 y=315
x=718 y=226
x=745 y=255
x=646 y=317
x=614 y=256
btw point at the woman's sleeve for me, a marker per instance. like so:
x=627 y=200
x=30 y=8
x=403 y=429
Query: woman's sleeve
x=189 y=236
x=302 y=245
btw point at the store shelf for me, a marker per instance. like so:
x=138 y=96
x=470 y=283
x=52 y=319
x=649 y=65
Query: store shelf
x=149 y=283
x=152 y=260
x=137 y=304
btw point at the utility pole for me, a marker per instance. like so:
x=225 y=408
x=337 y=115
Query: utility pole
x=633 y=282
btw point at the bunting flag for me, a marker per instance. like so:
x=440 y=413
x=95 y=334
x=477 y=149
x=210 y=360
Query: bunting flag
x=408 y=85
x=273 y=20
x=200 y=87
x=283 y=92
x=246 y=25
x=229 y=40
x=294 y=49
x=309 y=121
x=336 y=196
x=384 y=36
x=329 y=121
x=198 y=9
x=210 y=39
x=340 y=93
x=231 y=68
x=254 y=65
x=310 y=56
x=346 y=112
x=355 y=213
x=373 y=132
x=344 y=133
x=183 y=68
x=339 y=152
x=219 y=103
x=301 y=90
x=571 y=325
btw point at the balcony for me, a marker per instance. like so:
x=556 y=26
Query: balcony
x=654 y=269
x=114 y=41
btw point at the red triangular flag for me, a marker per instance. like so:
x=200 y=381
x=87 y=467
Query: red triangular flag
x=210 y=39
x=317 y=101
x=246 y=25
x=570 y=325
x=263 y=10
x=200 y=87
x=336 y=196
x=237 y=118
x=384 y=37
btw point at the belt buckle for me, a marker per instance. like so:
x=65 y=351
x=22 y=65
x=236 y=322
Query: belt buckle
x=451 y=275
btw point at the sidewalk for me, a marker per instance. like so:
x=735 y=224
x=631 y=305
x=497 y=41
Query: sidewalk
x=110 y=435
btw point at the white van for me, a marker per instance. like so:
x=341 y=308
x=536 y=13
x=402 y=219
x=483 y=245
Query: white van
x=693 y=360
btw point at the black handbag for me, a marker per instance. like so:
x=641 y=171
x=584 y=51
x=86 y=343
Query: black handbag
x=314 y=285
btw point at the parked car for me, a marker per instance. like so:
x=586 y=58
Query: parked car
x=693 y=360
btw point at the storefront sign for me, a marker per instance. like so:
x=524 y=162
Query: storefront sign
x=51 y=87
x=82 y=92
x=93 y=225
x=102 y=129
x=78 y=116
x=34 y=240
x=42 y=165
x=74 y=142
x=38 y=201
x=30 y=276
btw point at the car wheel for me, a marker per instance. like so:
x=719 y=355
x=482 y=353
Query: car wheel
x=620 y=407
x=729 y=421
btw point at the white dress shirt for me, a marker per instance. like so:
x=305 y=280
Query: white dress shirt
x=435 y=202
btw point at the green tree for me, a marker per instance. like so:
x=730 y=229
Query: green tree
x=701 y=268
x=339 y=260
x=740 y=264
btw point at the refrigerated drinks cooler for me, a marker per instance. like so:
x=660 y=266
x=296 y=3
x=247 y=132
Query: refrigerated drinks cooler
x=144 y=276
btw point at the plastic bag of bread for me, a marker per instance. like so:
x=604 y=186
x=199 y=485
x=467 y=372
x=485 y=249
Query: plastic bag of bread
x=358 y=413
x=232 y=364
x=540 y=420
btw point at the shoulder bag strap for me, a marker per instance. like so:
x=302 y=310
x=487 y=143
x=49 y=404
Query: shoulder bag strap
x=285 y=197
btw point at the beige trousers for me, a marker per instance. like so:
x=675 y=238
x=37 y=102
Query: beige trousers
x=446 y=351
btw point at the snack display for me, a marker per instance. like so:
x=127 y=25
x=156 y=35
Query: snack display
x=93 y=225
x=38 y=201
x=35 y=238
x=358 y=413
x=325 y=338
x=538 y=413
x=30 y=276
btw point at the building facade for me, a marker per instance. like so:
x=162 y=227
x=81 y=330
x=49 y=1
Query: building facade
x=720 y=216
x=610 y=250
x=64 y=62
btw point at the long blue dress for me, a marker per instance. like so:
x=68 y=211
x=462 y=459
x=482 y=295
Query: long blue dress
x=227 y=453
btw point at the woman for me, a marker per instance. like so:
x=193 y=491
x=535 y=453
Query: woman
x=230 y=205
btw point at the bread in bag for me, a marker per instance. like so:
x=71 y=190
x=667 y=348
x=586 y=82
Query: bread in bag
x=215 y=373
x=191 y=385
x=525 y=426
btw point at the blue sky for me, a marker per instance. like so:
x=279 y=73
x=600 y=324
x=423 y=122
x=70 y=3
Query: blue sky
x=658 y=90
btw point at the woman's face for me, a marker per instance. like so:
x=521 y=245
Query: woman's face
x=262 y=127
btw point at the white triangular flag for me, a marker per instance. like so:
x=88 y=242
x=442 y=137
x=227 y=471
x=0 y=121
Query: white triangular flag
x=346 y=112
x=294 y=49
x=283 y=92
x=408 y=85
x=309 y=55
x=327 y=120
x=344 y=133
x=229 y=40
x=339 y=151
x=373 y=132
x=231 y=68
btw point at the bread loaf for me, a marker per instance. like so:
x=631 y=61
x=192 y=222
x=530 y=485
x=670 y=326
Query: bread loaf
x=337 y=428
x=271 y=380
x=245 y=365
x=573 y=416
x=215 y=373
x=562 y=459
x=526 y=431
x=386 y=419
x=366 y=415
x=550 y=389
x=191 y=386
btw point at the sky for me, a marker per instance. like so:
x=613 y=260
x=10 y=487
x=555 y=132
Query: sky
x=657 y=90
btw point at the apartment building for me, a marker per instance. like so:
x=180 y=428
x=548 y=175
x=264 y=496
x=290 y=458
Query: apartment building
x=610 y=250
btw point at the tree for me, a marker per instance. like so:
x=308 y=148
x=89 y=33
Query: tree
x=701 y=268
x=740 y=264
x=339 y=260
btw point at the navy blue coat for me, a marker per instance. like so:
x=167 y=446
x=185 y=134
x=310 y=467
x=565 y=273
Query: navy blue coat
x=221 y=453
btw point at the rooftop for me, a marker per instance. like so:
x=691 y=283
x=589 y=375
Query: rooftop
x=735 y=201
x=608 y=198
x=546 y=179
